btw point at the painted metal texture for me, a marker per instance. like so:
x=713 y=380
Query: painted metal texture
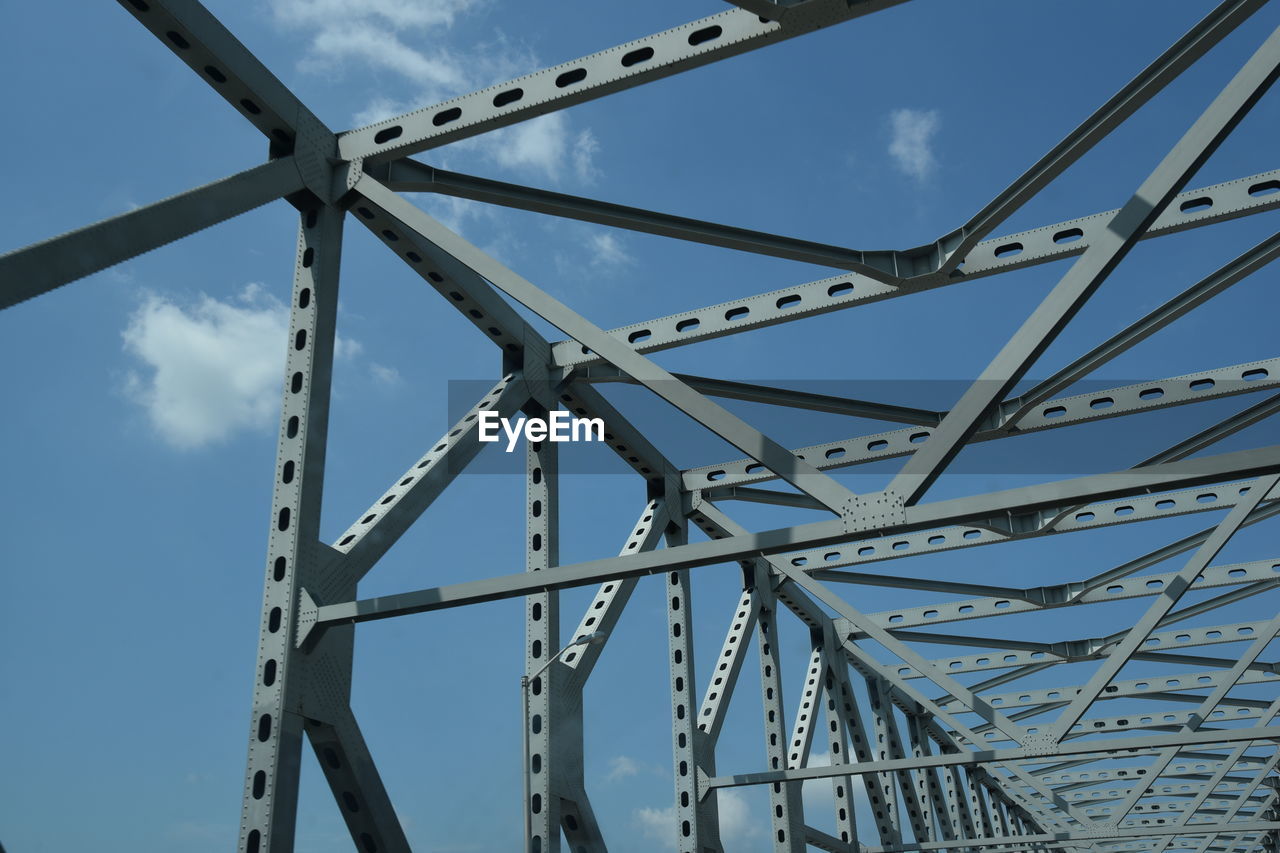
x=949 y=751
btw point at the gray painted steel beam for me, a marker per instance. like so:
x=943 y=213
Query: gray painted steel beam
x=542 y=692
x=719 y=421
x=1016 y=798
x=773 y=396
x=697 y=823
x=1227 y=466
x=1055 y=838
x=786 y=806
x=611 y=598
x=357 y=788
x=1207 y=288
x=720 y=687
x=41 y=267
x=631 y=64
x=1112 y=746
x=202 y=42
x=1140 y=397
x=387 y=519
x=275 y=731
x=1090 y=270
x=1205 y=206
x=469 y=294
x=1173 y=591
x=1203 y=36
x=411 y=176
x=840 y=711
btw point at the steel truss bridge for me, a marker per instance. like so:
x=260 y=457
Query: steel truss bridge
x=951 y=753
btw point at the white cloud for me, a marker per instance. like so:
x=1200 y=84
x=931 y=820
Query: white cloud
x=396 y=13
x=912 y=133
x=607 y=251
x=453 y=212
x=585 y=148
x=621 y=767
x=383 y=50
x=381 y=108
x=212 y=369
x=658 y=824
x=737 y=822
x=541 y=144
x=384 y=375
x=385 y=35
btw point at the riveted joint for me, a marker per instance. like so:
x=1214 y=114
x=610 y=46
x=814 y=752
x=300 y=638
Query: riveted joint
x=1052 y=596
x=866 y=513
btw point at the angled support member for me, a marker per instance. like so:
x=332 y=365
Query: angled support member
x=697 y=827
x=286 y=699
x=1089 y=271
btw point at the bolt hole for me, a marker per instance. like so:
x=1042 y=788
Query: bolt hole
x=508 y=97
x=568 y=78
x=635 y=57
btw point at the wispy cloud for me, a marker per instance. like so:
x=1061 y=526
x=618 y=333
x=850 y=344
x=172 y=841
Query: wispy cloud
x=585 y=149
x=395 y=13
x=607 y=251
x=212 y=369
x=621 y=767
x=383 y=35
x=738 y=823
x=911 y=141
x=384 y=375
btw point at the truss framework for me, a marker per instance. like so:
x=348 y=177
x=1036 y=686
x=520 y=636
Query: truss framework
x=946 y=761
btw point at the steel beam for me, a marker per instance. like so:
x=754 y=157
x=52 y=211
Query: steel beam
x=1112 y=746
x=293 y=546
x=697 y=823
x=387 y=519
x=1204 y=35
x=1090 y=407
x=1207 y=288
x=1173 y=591
x=1204 y=206
x=719 y=421
x=41 y=267
x=786 y=806
x=411 y=176
x=1224 y=467
x=230 y=69
x=1090 y=270
x=631 y=64
x=542 y=692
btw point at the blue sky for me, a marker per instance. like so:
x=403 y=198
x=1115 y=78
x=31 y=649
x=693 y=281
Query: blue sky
x=141 y=402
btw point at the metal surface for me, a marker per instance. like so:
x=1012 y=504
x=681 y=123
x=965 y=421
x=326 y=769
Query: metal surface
x=979 y=745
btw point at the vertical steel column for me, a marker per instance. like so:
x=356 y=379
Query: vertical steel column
x=936 y=816
x=275 y=732
x=697 y=824
x=839 y=709
x=786 y=808
x=879 y=786
x=918 y=803
x=957 y=796
x=890 y=746
x=990 y=812
x=542 y=640
x=978 y=804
